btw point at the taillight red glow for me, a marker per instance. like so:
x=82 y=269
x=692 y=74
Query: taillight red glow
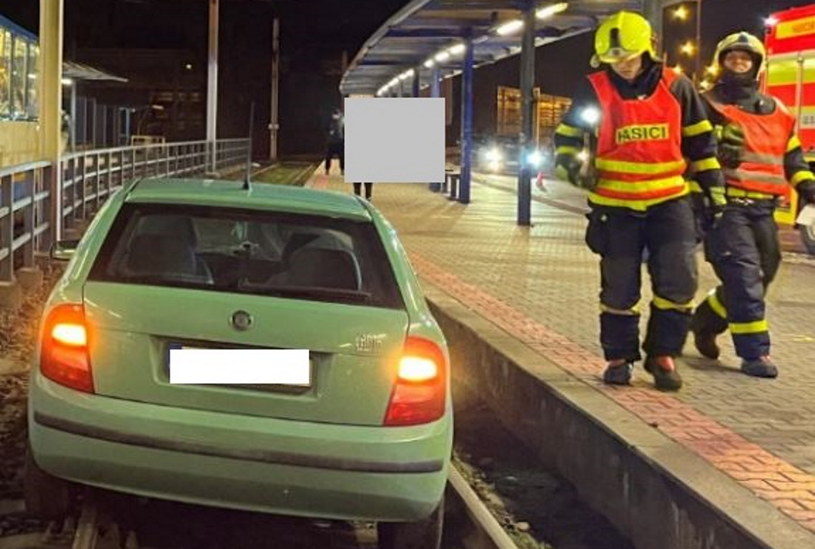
x=74 y=335
x=64 y=356
x=420 y=393
x=417 y=369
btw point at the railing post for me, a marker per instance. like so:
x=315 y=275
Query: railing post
x=47 y=237
x=78 y=191
x=28 y=223
x=7 y=229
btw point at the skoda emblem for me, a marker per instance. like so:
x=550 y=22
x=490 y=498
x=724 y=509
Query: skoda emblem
x=241 y=320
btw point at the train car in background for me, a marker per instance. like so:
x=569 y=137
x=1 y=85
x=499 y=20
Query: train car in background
x=19 y=138
x=790 y=76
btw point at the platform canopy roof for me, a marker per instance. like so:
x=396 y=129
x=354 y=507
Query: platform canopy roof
x=424 y=31
x=80 y=71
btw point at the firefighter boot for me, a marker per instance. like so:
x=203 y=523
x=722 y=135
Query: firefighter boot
x=666 y=378
x=703 y=337
x=618 y=372
x=759 y=367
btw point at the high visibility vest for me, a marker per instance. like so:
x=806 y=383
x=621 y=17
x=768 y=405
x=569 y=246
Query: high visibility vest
x=639 y=159
x=766 y=138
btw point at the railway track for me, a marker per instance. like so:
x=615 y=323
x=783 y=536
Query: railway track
x=469 y=523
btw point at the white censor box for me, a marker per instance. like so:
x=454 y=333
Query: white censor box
x=807 y=216
x=240 y=366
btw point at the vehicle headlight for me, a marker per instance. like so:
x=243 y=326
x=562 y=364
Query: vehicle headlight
x=494 y=155
x=534 y=159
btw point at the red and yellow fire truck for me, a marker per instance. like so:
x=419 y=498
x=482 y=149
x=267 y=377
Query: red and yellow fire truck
x=790 y=76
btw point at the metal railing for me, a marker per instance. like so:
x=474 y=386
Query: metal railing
x=28 y=211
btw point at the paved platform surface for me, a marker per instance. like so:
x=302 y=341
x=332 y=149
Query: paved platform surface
x=540 y=284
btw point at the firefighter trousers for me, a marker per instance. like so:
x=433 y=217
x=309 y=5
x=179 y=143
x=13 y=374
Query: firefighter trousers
x=620 y=236
x=745 y=253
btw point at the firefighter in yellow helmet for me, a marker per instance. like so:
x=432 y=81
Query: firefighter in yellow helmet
x=642 y=121
x=760 y=154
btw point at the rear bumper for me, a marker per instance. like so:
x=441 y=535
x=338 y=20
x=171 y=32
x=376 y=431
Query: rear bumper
x=242 y=462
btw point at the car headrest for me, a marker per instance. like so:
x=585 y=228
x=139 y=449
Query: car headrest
x=158 y=255
x=324 y=268
x=176 y=226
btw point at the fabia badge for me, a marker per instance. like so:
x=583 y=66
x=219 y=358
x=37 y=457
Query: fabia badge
x=368 y=343
x=241 y=320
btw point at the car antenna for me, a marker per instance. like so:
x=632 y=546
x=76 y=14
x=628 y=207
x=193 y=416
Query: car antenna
x=247 y=183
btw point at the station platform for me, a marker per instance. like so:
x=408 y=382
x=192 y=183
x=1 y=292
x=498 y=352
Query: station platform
x=743 y=446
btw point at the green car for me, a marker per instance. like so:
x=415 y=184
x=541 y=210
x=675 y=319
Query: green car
x=264 y=349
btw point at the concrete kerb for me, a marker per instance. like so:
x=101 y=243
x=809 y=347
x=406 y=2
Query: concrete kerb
x=657 y=492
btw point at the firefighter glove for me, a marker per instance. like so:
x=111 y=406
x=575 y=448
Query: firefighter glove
x=806 y=191
x=731 y=146
x=716 y=201
x=569 y=168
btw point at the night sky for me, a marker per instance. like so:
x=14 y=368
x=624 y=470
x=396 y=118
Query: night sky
x=313 y=33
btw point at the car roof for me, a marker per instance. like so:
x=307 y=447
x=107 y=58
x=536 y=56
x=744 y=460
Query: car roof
x=261 y=196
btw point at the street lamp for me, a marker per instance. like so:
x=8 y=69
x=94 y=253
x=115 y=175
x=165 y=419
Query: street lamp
x=681 y=13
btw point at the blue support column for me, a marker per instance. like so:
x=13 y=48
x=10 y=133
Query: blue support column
x=416 y=79
x=527 y=103
x=435 y=81
x=435 y=91
x=466 y=122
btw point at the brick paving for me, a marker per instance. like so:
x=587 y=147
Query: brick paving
x=540 y=284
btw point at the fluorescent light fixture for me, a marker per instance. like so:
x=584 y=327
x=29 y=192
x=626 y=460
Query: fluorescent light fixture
x=510 y=27
x=67 y=82
x=549 y=11
x=457 y=49
x=429 y=63
x=442 y=56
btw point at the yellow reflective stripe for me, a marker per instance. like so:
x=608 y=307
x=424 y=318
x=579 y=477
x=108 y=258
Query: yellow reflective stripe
x=741 y=174
x=697 y=129
x=694 y=186
x=803 y=175
x=639 y=168
x=759 y=158
x=567 y=150
x=794 y=143
x=717 y=196
x=716 y=305
x=642 y=186
x=638 y=205
x=735 y=192
x=568 y=131
x=707 y=164
x=633 y=311
x=668 y=305
x=755 y=327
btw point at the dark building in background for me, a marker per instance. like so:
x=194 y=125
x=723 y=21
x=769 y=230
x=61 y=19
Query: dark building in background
x=164 y=92
x=552 y=76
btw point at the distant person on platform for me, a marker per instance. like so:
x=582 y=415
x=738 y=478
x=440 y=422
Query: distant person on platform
x=369 y=187
x=336 y=141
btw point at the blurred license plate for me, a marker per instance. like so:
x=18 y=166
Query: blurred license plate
x=240 y=366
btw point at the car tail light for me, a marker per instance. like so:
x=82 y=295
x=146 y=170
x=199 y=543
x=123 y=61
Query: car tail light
x=419 y=395
x=64 y=358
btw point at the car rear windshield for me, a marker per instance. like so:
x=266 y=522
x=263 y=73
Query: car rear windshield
x=243 y=251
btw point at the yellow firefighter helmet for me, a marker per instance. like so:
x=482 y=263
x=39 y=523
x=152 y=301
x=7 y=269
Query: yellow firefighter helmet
x=622 y=36
x=743 y=41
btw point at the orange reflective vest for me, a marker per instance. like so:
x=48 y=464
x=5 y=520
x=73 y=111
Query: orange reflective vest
x=766 y=138
x=639 y=159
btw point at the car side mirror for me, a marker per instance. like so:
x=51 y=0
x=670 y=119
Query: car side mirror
x=63 y=250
